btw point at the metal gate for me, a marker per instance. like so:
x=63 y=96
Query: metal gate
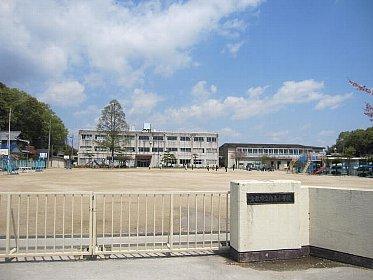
x=91 y=224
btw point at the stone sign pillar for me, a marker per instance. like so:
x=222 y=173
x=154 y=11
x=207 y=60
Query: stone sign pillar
x=269 y=220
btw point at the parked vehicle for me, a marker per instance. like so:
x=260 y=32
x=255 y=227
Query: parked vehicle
x=365 y=171
x=338 y=170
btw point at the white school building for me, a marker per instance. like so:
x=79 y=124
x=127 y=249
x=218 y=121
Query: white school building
x=146 y=148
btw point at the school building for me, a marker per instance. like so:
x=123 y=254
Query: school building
x=146 y=148
x=279 y=156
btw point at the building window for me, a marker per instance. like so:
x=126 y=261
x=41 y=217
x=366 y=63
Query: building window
x=255 y=151
x=281 y=151
x=85 y=147
x=270 y=151
x=129 y=137
x=266 y=151
x=260 y=151
x=211 y=139
x=172 y=138
x=211 y=151
x=198 y=150
x=100 y=137
x=286 y=151
x=143 y=137
x=275 y=151
x=184 y=138
x=171 y=149
x=158 y=138
x=186 y=150
x=198 y=139
x=144 y=149
x=211 y=162
x=100 y=149
x=198 y=161
x=184 y=161
x=129 y=149
x=157 y=150
x=86 y=136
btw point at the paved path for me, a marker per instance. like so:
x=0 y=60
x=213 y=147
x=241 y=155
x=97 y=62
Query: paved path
x=197 y=267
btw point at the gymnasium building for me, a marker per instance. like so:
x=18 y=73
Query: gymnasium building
x=279 y=156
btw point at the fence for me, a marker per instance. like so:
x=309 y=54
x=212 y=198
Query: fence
x=19 y=164
x=91 y=224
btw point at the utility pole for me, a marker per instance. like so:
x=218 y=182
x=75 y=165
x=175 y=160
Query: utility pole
x=49 y=142
x=10 y=115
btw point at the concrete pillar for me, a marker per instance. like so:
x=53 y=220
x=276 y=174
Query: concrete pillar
x=269 y=220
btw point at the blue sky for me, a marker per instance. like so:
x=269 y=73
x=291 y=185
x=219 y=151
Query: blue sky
x=254 y=71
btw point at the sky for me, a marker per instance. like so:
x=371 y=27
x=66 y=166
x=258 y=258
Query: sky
x=253 y=71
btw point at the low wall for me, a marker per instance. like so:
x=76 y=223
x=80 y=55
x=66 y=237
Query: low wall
x=341 y=224
x=331 y=223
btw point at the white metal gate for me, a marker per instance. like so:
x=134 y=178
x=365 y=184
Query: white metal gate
x=91 y=224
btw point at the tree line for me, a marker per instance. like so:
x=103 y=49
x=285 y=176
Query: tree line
x=357 y=143
x=33 y=118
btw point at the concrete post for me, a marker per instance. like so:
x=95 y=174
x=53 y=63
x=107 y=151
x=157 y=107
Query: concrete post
x=269 y=220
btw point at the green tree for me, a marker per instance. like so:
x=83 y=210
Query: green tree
x=265 y=160
x=349 y=152
x=32 y=118
x=360 y=139
x=112 y=124
x=168 y=159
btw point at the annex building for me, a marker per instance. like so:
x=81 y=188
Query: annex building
x=146 y=148
x=279 y=155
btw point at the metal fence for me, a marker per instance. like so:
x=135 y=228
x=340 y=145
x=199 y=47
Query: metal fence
x=91 y=224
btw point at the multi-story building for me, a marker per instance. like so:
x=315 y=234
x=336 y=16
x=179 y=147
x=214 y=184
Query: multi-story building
x=278 y=155
x=146 y=148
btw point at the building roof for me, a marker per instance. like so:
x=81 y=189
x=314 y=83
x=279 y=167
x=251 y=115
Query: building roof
x=151 y=132
x=13 y=135
x=258 y=145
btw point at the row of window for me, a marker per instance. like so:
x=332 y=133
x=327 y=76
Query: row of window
x=155 y=138
x=247 y=151
x=158 y=149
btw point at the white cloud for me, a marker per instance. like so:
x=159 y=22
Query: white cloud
x=202 y=91
x=278 y=136
x=143 y=102
x=233 y=48
x=68 y=93
x=47 y=38
x=332 y=101
x=327 y=133
x=232 y=28
x=255 y=92
x=229 y=132
x=242 y=108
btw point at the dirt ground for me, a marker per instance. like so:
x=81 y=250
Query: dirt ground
x=158 y=180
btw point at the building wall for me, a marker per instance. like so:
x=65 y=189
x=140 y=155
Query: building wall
x=153 y=145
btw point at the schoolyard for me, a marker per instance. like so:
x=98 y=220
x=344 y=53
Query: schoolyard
x=143 y=179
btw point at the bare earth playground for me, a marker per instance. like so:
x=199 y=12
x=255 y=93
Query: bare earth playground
x=143 y=179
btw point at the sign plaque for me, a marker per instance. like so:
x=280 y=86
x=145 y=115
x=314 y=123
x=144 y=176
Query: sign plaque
x=270 y=198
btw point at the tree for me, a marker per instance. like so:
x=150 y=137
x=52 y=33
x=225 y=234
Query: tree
x=265 y=160
x=360 y=139
x=368 y=110
x=238 y=155
x=168 y=159
x=32 y=118
x=349 y=152
x=112 y=124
